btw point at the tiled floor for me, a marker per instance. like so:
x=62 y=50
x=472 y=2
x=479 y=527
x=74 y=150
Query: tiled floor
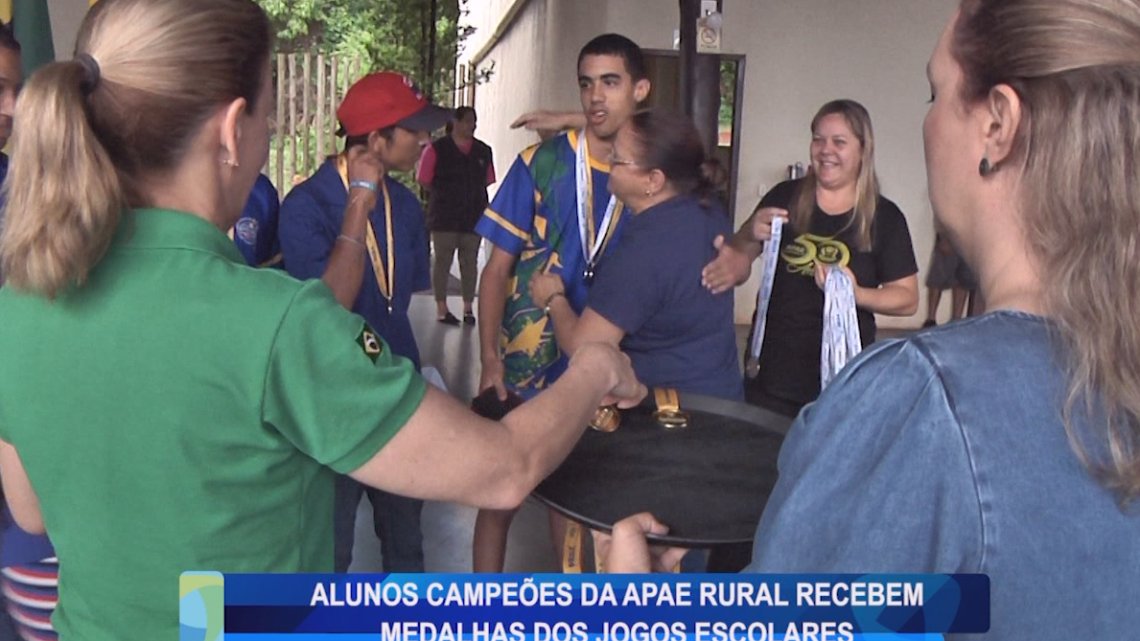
x=447 y=527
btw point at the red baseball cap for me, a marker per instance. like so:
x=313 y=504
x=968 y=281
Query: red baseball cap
x=383 y=99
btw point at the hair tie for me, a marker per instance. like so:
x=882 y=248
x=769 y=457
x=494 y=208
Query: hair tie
x=90 y=73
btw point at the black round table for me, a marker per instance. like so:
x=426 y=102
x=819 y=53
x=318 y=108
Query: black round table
x=708 y=481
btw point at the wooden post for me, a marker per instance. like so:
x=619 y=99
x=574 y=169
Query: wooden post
x=306 y=125
x=279 y=140
x=292 y=116
x=321 y=124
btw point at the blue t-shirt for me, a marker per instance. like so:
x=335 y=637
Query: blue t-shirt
x=945 y=452
x=535 y=217
x=677 y=334
x=311 y=218
x=255 y=233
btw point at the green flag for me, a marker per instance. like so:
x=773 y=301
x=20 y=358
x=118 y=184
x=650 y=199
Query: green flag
x=31 y=25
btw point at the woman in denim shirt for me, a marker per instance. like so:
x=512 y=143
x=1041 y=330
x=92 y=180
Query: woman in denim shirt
x=1008 y=444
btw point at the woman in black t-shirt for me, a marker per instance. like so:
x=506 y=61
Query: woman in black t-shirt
x=833 y=216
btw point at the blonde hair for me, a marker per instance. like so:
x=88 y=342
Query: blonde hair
x=85 y=138
x=1075 y=66
x=866 y=184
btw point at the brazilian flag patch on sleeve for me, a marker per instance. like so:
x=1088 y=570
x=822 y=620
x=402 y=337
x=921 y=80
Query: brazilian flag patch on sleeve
x=370 y=343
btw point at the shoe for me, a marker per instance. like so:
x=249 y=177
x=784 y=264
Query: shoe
x=449 y=319
x=469 y=319
x=929 y=323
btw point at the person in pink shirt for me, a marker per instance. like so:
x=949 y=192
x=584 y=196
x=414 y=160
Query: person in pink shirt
x=456 y=170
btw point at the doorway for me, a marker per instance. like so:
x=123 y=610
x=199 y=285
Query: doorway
x=664 y=69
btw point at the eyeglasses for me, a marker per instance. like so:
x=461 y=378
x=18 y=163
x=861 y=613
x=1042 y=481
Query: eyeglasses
x=614 y=160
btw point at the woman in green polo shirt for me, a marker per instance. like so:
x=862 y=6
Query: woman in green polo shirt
x=164 y=407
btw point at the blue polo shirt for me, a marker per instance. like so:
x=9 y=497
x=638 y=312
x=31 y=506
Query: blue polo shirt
x=677 y=333
x=310 y=221
x=255 y=233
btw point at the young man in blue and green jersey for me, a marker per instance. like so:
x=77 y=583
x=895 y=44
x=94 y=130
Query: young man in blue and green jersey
x=534 y=225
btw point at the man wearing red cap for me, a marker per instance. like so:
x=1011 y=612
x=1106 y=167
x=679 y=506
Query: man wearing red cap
x=363 y=234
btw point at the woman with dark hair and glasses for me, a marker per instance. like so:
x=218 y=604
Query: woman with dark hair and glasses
x=647 y=296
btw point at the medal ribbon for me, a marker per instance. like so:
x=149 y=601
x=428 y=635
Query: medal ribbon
x=840 y=326
x=768 y=260
x=593 y=244
x=385 y=279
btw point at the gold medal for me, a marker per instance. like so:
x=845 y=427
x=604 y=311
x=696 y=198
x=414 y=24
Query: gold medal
x=606 y=419
x=669 y=414
x=672 y=419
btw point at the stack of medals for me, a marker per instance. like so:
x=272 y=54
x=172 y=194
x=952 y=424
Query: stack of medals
x=840 y=326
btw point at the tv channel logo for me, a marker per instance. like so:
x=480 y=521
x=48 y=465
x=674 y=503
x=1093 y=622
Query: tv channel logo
x=201 y=606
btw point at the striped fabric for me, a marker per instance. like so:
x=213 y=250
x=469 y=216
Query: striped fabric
x=30 y=592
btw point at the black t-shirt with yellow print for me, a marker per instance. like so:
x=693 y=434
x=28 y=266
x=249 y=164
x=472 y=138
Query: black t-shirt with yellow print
x=789 y=358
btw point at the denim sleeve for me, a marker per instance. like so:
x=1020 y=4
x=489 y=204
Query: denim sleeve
x=875 y=477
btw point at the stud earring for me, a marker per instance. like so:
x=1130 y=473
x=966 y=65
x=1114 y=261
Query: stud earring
x=985 y=168
x=230 y=163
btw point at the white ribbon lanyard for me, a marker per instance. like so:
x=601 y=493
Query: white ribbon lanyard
x=768 y=260
x=840 y=326
x=840 y=341
x=593 y=240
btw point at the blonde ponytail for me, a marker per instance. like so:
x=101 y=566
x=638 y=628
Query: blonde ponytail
x=90 y=132
x=64 y=196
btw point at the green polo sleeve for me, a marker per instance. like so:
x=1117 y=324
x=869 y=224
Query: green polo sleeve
x=332 y=386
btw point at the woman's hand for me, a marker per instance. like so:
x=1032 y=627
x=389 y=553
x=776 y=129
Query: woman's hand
x=733 y=263
x=760 y=224
x=821 y=275
x=730 y=267
x=626 y=551
x=545 y=285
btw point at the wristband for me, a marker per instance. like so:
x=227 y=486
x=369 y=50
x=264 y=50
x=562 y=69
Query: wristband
x=354 y=241
x=363 y=184
x=546 y=307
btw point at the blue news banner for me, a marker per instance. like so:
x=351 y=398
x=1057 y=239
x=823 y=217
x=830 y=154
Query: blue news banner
x=556 y=607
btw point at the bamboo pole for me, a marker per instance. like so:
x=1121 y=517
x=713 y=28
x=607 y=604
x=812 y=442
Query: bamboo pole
x=279 y=139
x=292 y=116
x=321 y=151
x=306 y=126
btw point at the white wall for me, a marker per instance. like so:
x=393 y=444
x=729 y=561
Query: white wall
x=66 y=15
x=799 y=54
